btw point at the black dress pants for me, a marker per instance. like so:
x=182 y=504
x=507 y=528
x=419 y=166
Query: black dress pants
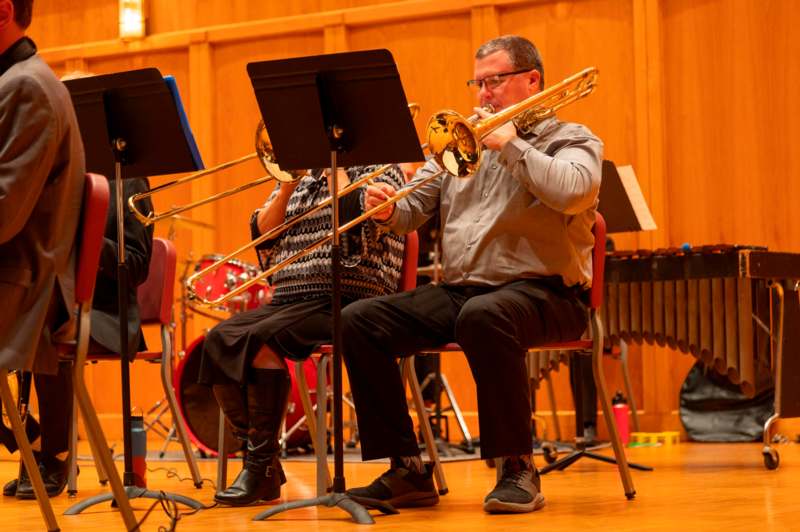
x=55 y=409
x=493 y=325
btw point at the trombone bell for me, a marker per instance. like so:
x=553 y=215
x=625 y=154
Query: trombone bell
x=266 y=155
x=451 y=139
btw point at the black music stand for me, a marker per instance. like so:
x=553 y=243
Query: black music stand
x=330 y=110
x=131 y=127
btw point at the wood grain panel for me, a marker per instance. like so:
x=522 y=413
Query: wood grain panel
x=433 y=57
x=573 y=35
x=733 y=170
x=59 y=23
x=176 y=15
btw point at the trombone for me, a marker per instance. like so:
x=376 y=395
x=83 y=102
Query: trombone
x=265 y=155
x=454 y=142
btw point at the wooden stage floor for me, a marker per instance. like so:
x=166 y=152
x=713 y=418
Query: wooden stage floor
x=709 y=487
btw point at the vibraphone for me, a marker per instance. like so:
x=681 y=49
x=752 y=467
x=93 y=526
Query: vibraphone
x=732 y=307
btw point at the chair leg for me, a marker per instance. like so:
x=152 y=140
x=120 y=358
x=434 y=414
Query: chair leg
x=323 y=474
x=27 y=452
x=407 y=369
x=72 y=478
x=602 y=393
x=308 y=409
x=222 y=455
x=623 y=348
x=553 y=408
x=177 y=418
x=98 y=464
x=93 y=429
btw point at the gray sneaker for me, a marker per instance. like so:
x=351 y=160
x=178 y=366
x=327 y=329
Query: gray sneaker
x=517 y=491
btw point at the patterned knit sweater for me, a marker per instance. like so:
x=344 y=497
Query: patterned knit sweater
x=372 y=258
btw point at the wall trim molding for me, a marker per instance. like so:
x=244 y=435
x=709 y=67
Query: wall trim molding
x=297 y=24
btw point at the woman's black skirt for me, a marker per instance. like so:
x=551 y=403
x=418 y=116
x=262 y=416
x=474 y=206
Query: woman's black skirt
x=292 y=330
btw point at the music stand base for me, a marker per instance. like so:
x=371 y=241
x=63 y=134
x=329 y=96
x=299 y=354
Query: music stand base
x=133 y=493
x=574 y=456
x=341 y=500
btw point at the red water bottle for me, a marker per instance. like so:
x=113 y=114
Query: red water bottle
x=621 y=411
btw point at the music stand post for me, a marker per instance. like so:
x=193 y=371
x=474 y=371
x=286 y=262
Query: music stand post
x=332 y=109
x=131 y=125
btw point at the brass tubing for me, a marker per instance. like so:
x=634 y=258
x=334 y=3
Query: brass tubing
x=300 y=254
x=148 y=219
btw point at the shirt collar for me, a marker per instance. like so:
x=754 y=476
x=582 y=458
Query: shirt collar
x=17 y=52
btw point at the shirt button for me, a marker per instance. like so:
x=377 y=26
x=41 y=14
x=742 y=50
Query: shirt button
x=494 y=167
x=466 y=275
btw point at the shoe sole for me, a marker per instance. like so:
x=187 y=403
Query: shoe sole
x=31 y=496
x=414 y=501
x=496 y=506
x=262 y=500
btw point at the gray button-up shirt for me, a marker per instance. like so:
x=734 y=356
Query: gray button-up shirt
x=527 y=212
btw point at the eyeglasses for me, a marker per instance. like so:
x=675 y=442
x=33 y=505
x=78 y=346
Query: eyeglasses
x=492 y=82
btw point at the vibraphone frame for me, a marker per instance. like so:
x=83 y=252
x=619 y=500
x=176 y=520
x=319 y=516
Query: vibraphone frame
x=723 y=304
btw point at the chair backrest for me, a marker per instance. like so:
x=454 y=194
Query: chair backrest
x=90 y=236
x=408 y=275
x=155 y=293
x=598 y=262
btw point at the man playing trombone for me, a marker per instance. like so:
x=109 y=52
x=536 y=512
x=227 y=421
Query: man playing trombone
x=516 y=256
x=243 y=357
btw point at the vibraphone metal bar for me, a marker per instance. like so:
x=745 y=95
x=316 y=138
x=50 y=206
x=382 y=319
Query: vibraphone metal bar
x=722 y=304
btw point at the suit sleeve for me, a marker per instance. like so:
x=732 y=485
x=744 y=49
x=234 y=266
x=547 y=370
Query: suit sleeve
x=138 y=237
x=28 y=144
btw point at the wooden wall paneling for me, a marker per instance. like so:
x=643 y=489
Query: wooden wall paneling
x=335 y=39
x=649 y=124
x=434 y=59
x=201 y=83
x=485 y=25
x=59 y=23
x=177 y=15
x=734 y=167
x=658 y=362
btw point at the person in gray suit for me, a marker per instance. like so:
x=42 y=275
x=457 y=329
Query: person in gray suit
x=41 y=188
